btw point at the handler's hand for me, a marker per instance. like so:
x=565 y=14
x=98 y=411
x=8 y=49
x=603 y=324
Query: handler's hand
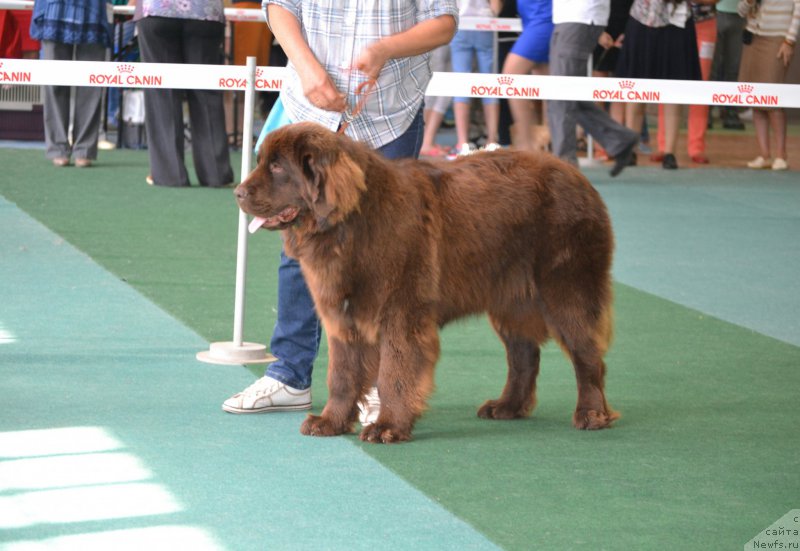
x=321 y=92
x=372 y=59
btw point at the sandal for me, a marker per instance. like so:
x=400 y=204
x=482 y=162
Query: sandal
x=435 y=151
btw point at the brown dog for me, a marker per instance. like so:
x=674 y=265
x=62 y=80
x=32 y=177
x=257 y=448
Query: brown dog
x=393 y=250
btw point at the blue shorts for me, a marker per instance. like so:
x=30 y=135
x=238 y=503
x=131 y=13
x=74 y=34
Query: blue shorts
x=534 y=42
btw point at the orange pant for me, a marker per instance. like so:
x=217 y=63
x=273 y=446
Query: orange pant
x=698 y=114
x=251 y=39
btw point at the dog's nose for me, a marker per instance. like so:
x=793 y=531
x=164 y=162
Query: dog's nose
x=240 y=192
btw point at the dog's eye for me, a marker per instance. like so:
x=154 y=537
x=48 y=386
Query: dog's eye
x=275 y=167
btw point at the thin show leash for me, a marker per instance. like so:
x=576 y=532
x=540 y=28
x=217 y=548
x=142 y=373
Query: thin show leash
x=363 y=90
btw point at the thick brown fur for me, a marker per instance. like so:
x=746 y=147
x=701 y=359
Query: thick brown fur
x=393 y=250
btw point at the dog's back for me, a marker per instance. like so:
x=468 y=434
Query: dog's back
x=510 y=219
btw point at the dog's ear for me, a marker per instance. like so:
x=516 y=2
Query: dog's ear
x=334 y=183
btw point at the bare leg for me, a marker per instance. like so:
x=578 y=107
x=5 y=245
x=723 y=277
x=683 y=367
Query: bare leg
x=777 y=121
x=461 y=112
x=433 y=120
x=761 y=123
x=672 y=121
x=634 y=116
x=491 y=115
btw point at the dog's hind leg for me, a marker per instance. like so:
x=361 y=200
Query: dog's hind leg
x=592 y=411
x=351 y=368
x=584 y=336
x=521 y=338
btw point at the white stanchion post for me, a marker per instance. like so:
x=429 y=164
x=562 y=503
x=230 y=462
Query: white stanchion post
x=237 y=351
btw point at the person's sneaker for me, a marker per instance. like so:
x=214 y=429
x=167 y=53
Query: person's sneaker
x=369 y=407
x=266 y=395
x=759 y=163
x=780 y=164
x=466 y=149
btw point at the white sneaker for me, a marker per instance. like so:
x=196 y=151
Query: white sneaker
x=759 y=163
x=780 y=164
x=266 y=395
x=491 y=146
x=369 y=407
x=466 y=149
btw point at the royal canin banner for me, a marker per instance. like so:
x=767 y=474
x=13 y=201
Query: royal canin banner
x=138 y=75
x=476 y=85
x=614 y=89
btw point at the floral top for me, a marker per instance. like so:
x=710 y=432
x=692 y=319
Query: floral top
x=203 y=10
x=71 y=21
x=660 y=13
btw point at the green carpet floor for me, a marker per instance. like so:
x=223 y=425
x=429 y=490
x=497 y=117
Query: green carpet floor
x=704 y=456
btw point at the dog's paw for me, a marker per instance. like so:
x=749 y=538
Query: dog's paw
x=314 y=425
x=590 y=419
x=495 y=409
x=377 y=433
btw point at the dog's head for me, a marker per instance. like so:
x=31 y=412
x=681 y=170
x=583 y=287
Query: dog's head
x=306 y=176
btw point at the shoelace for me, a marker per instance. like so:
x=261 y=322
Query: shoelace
x=261 y=386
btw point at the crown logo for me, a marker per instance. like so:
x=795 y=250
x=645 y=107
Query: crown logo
x=125 y=68
x=505 y=79
x=626 y=84
x=745 y=88
x=259 y=72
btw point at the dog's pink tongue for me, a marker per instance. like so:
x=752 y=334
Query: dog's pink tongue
x=255 y=224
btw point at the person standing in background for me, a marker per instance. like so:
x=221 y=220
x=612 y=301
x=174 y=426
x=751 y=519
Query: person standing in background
x=436 y=107
x=529 y=56
x=177 y=31
x=770 y=39
x=705 y=24
x=478 y=47
x=72 y=30
x=605 y=56
x=578 y=26
x=660 y=43
x=727 y=54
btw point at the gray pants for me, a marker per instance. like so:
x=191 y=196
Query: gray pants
x=88 y=106
x=172 y=40
x=570 y=47
x=728 y=50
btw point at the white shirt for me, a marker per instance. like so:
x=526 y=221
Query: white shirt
x=474 y=8
x=589 y=12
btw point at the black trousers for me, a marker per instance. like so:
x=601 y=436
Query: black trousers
x=172 y=40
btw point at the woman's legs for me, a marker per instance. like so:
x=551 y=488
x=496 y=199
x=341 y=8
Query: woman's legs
x=761 y=123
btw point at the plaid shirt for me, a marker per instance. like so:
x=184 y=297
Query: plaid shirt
x=337 y=31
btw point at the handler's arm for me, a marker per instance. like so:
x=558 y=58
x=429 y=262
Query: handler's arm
x=317 y=84
x=419 y=39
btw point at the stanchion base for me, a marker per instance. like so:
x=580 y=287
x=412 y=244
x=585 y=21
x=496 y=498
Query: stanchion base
x=229 y=353
x=585 y=162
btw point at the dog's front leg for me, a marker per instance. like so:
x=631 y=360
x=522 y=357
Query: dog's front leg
x=408 y=355
x=348 y=370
